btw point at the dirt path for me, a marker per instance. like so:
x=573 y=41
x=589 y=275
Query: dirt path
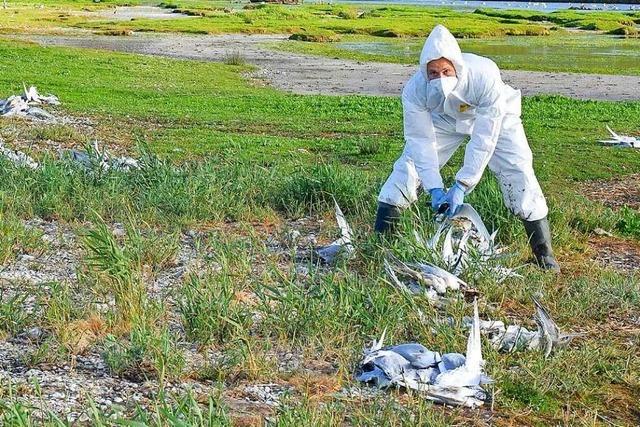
x=307 y=74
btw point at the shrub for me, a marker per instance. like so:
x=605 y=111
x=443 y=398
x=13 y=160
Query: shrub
x=318 y=36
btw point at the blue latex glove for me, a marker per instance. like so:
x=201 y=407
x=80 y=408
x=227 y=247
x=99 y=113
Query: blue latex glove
x=455 y=198
x=438 y=197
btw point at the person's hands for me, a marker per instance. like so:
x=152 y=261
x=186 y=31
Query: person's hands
x=454 y=198
x=438 y=197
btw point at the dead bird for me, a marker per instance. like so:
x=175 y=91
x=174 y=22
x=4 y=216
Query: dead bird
x=467 y=245
x=511 y=338
x=450 y=378
x=18 y=157
x=622 y=141
x=95 y=159
x=549 y=334
x=343 y=245
x=470 y=374
x=421 y=277
x=24 y=105
x=31 y=95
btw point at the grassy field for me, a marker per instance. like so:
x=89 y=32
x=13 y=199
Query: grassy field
x=238 y=165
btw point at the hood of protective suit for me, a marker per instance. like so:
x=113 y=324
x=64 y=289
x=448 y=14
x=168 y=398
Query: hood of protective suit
x=442 y=44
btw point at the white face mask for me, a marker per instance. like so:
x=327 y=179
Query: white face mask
x=439 y=89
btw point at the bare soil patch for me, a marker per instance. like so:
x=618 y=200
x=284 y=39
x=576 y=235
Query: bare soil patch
x=614 y=193
x=614 y=252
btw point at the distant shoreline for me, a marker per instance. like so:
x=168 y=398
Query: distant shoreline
x=574 y=2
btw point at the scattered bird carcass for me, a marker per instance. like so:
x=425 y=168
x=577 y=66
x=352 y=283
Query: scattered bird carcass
x=27 y=105
x=450 y=378
x=17 y=157
x=422 y=278
x=621 y=141
x=460 y=243
x=515 y=337
x=343 y=246
x=467 y=243
x=95 y=159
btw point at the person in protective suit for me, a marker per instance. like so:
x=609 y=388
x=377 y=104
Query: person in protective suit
x=454 y=96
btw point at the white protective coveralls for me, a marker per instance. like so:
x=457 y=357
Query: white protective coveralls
x=481 y=106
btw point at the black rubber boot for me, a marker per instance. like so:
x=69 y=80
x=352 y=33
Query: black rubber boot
x=386 y=217
x=539 y=236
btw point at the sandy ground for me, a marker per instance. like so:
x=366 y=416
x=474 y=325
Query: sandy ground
x=128 y=13
x=306 y=74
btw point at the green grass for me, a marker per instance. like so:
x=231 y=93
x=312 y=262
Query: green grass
x=595 y=21
x=264 y=158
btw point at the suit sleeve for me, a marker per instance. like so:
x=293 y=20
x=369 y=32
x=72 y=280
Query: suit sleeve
x=489 y=115
x=420 y=141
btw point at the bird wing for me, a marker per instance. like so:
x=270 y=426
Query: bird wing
x=613 y=134
x=433 y=242
x=394 y=278
x=418 y=355
x=474 y=348
x=447 y=247
x=345 y=229
x=430 y=269
x=543 y=318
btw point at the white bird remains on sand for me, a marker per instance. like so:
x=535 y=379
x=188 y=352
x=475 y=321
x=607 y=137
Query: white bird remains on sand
x=451 y=378
x=621 y=141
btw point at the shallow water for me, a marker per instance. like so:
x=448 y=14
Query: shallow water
x=602 y=50
x=540 y=6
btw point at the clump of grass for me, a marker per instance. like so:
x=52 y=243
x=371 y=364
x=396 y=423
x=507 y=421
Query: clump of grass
x=346 y=12
x=629 y=222
x=153 y=250
x=370 y=147
x=47 y=352
x=149 y=352
x=386 y=32
x=118 y=273
x=210 y=310
x=16 y=239
x=186 y=410
x=235 y=58
x=73 y=327
x=13 y=317
x=626 y=31
x=65 y=134
x=318 y=36
x=116 y=32
x=312 y=190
